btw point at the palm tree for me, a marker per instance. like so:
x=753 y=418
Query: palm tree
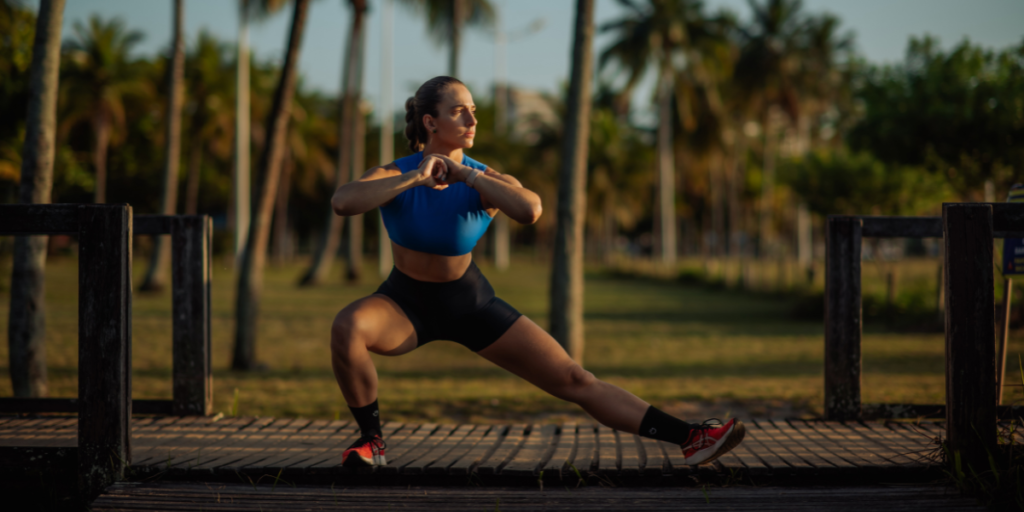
x=661 y=34
x=567 y=269
x=211 y=114
x=445 y=19
x=26 y=328
x=99 y=77
x=157 y=275
x=768 y=71
x=250 y=278
x=351 y=92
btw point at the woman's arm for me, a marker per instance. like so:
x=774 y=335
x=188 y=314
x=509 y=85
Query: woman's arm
x=499 y=191
x=380 y=185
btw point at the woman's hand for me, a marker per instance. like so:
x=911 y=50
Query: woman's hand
x=456 y=171
x=432 y=172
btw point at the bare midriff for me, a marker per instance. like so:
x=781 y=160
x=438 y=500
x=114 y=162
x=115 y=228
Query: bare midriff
x=433 y=268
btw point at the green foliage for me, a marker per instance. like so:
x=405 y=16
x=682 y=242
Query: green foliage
x=959 y=113
x=17 y=27
x=843 y=182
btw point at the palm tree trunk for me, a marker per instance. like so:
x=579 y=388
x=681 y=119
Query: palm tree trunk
x=666 y=172
x=736 y=181
x=195 y=161
x=323 y=259
x=101 y=141
x=26 y=327
x=354 y=273
x=242 y=209
x=458 y=15
x=567 y=269
x=281 y=234
x=156 y=277
x=250 y=278
x=765 y=233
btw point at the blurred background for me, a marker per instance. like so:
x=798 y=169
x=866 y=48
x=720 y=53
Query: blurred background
x=760 y=118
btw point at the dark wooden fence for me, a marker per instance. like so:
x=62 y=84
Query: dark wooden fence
x=191 y=241
x=104 y=404
x=843 y=315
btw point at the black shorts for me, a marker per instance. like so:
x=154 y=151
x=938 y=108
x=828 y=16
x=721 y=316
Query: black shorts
x=464 y=310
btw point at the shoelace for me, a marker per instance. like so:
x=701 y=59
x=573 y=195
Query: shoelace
x=370 y=439
x=702 y=430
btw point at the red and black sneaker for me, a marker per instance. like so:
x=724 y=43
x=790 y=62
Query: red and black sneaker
x=366 y=451
x=709 y=442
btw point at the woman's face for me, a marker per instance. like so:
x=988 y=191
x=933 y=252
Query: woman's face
x=456 y=119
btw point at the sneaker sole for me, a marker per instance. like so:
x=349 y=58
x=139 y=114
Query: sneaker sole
x=360 y=461
x=734 y=440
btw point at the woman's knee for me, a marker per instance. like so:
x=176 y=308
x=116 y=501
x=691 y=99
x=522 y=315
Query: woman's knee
x=575 y=383
x=350 y=332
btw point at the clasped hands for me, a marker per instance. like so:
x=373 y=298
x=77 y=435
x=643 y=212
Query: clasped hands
x=438 y=171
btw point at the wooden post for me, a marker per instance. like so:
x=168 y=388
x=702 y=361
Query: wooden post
x=104 y=345
x=842 y=318
x=193 y=383
x=970 y=334
x=1004 y=335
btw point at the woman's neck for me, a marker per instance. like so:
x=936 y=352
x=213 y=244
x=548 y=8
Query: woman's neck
x=437 y=149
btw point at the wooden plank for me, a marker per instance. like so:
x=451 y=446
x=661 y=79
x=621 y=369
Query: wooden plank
x=843 y=318
x=439 y=450
x=328 y=454
x=586 y=457
x=148 y=406
x=887 y=440
x=104 y=344
x=197 y=445
x=826 y=444
x=803 y=447
x=317 y=442
x=632 y=456
x=534 y=453
x=156 y=447
x=970 y=333
x=795 y=455
x=852 y=443
x=771 y=455
x=902 y=227
x=301 y=441
x=190 y=298
x=510 y=444
x=268 y=446
x=410 y=443
x=483 y=449
x=235 y=446
x=564 y=449
x=438 y=436
x=655 y=460
x=609 y=456
x=38 y=219
x=457 y=451
x=919 y=443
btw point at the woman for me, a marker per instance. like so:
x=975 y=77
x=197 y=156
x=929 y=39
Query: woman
x=436 y=204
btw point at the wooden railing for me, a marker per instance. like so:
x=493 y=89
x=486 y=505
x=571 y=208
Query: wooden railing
x=104 y=404
x=843 y=316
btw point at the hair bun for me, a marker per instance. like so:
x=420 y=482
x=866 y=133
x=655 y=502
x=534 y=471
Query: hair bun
x=410 y=109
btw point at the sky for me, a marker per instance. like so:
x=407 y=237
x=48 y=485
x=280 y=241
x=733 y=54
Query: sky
x=538 y=60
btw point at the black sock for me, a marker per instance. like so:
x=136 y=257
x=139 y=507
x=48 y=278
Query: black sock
x=658 y=425
x=368 y=418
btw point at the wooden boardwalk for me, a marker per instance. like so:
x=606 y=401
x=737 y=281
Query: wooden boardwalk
x=190 y=496
x=253 y=449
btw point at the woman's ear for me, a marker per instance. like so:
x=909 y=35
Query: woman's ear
x=430 y=123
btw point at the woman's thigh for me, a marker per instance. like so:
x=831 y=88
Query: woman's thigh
x=377 y=322
x=531 y=353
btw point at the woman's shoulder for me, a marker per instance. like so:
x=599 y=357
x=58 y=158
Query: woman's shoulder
x=407 y=163
x=466 y=160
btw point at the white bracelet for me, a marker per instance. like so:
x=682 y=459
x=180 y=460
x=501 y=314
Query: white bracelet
x=473 y=173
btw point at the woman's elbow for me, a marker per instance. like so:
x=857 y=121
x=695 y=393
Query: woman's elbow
x=532 y=215
x=339 y=206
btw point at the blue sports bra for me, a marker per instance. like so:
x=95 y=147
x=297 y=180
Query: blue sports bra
x=448 y=222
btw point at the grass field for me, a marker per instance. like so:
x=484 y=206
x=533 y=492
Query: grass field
x=669 y=343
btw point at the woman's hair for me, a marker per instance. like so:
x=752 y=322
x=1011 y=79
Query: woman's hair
x=426 y=100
